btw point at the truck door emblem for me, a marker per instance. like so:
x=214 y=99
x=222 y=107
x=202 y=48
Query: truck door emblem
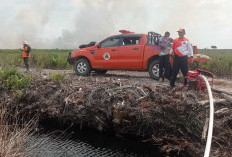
x=106 y=56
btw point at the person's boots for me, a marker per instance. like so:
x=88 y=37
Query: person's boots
x=27 y=67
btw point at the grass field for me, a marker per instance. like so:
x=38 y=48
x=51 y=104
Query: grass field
x=221 y=61
x=40 y=58
x=220 y=64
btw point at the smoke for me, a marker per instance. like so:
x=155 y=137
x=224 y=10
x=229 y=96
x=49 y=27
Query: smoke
x=27 y=24
x=68 y=24
x=100 y=18
x=205 y=21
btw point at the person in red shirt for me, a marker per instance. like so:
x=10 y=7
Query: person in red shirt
x=181 y=49
x=26 y=54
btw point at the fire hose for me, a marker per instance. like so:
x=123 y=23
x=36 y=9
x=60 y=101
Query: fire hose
x=211 y=118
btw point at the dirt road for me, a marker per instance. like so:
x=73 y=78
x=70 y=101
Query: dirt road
x=137 y=77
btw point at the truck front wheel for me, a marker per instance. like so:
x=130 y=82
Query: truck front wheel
x=82 y=67
x=153 y=69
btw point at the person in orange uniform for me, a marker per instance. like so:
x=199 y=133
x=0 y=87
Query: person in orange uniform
x=26 y=54
x=181 y=49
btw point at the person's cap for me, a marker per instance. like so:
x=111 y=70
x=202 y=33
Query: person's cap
x=181 y=30
x=25 y=43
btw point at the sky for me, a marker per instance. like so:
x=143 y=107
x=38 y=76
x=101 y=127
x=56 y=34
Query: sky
x=66 y=24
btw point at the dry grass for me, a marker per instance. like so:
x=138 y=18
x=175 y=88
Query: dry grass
x=14 y=136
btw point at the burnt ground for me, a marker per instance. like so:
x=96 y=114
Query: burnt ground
x=129 y=104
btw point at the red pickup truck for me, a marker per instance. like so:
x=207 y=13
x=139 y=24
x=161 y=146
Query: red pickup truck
x=126 y=51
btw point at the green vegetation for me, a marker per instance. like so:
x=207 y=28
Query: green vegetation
x=57 y=77
x=221 y=61
x=220 y=64
x=45 y=59
x=11 y=78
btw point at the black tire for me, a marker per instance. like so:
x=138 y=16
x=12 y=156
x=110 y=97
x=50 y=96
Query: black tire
x=100 y=72
x=82 y=67
x=153 y=70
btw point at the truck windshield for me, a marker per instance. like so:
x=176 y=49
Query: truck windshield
x=111 y=42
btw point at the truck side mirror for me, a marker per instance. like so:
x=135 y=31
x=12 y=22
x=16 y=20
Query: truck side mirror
x=98 y=46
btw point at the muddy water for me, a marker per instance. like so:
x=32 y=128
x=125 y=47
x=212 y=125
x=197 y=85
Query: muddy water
x=55 y=143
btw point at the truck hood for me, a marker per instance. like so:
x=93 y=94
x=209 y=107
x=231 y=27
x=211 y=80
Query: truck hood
x=85 y=49
x=78 y=52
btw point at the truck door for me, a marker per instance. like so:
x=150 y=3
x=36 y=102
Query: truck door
x=106 y=55
x=130 y=53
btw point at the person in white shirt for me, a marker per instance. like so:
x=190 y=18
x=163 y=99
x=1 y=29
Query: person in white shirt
x=182 y=49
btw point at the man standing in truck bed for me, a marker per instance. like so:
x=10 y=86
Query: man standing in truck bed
x=26 y=54
x=182 y=49
x=164 y=57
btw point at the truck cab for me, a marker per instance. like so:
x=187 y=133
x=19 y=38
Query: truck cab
x=125 y=51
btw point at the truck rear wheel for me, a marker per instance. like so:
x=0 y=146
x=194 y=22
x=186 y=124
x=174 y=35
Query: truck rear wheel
x=153 y=69
x=82 y=67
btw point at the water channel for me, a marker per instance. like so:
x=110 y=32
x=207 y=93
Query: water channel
x=53 y=142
